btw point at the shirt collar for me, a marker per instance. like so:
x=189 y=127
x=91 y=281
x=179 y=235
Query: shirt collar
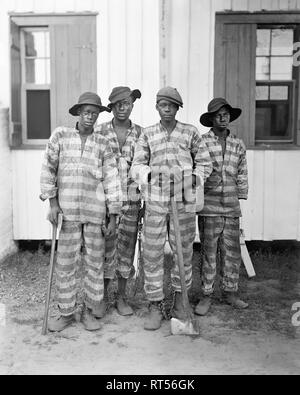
x=77 y=129
x=164 y=129
x=212 y=134
x=131 y=127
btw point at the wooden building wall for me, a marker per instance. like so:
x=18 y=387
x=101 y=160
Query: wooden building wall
x=187 y=62
x=147 y=44
x=6 y=209
x=127 y=54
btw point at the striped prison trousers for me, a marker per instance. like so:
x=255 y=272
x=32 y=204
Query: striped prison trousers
x=71 y=237
x=119 y=251
x=220 y=234
x=156 y=226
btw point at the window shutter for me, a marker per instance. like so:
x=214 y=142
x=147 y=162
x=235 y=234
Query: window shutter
x=73 y=66
x=234 y=78
x=15 y=56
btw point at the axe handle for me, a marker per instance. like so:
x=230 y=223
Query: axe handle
x=51 y=270
x=185 y=299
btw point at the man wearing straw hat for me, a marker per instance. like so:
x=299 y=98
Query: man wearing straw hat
x=170 y=159
x=122 y=135
x=80 y=178
x=219 y=219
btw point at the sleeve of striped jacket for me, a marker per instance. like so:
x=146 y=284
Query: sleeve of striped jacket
x=111 y=180
x=140 y=168
x=242 y=178
x=48 y=179
x=203 y=165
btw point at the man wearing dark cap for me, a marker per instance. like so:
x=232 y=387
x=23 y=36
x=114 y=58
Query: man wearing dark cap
x=219 y=219
x=170 y=159
x=122 y=135
x=80 y=178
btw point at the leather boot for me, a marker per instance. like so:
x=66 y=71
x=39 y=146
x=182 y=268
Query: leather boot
x=89 y=321
x=232 y=299
x=60 y=323
x=154 y=317
x=100 y=310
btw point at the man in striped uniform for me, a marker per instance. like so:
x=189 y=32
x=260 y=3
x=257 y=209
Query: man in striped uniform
x=122 y=135
x=219 y=219
x=170 y=158
x=80 y=178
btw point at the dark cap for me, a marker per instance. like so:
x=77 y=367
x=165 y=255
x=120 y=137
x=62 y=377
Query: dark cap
x=122 y=92
x=171 y=94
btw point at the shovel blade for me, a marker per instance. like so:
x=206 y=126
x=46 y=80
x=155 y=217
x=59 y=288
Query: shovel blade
x=187 y=327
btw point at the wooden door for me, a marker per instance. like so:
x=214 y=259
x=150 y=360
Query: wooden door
x=74 y=67
x=234 y=76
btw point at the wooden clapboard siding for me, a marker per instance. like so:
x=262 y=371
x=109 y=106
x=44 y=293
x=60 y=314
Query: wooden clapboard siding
x=186 y=33
x=127 y=42
x=29 y=212
x=130 y=54
x=127 y=36
x=271 y=212
x=150 y=60
x=117 y=41
x=134 y=46
x=6 y=212
x=273 y=208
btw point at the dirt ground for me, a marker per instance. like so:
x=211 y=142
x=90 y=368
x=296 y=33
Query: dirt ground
x=259 y=340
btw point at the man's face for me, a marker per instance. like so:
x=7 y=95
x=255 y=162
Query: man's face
x=122 y=109
x=221 y=119
x=88 y=115
x=167 y=110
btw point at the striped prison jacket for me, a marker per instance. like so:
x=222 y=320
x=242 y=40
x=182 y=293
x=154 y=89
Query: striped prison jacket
x=228 y=181
x=124 y=157
x=86 y=183
x=160 y=154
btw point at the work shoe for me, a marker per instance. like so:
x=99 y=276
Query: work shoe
x=203 y=306
x=123 y=307
x=90 y=323
x=60 y=323
x=154 y=318
x=234 y=301
x=100 y=310
x=178 y=310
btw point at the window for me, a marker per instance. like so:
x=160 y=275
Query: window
x=36 y=79
x=53 y=60
x=254 y=70
x=274 y=84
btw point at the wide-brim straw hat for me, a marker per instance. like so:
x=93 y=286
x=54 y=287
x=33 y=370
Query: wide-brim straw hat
x=214 y=106
x=88 y=98
x=121 y=93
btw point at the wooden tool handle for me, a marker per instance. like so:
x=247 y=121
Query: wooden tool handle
x=185 y=299
x=51 y=270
